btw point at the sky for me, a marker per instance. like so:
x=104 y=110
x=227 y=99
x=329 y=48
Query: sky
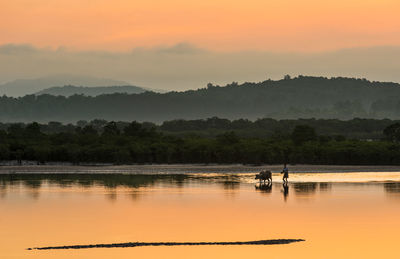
x=273 y=25
x=68 y=30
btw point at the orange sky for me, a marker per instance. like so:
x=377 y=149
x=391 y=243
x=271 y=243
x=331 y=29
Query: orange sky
x=274 y=25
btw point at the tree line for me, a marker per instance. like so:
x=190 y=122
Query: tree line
x=138 y=143
x=363 y=129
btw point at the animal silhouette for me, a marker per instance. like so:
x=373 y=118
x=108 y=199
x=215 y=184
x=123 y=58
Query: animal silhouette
x=264 y=176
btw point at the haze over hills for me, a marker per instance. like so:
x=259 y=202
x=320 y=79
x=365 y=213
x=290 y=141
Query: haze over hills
x=21 y=87
x=184 y=66
x=69 y=90
x=300 y=97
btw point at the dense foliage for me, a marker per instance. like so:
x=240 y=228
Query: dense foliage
x=265 y=128
x=392 y=132
x=300 y=97
x=137 y=143
x=366 y=129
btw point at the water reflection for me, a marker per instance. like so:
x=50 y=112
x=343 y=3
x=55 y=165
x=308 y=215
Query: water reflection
x=285 y=186
x=112 y=195
x=325 y=187
x=392 y=189
x=229 y=183
x=109 y=181
x=3 y=191
x=33 y=182
x=305 y=188
x=113 y=208
x=264 y=187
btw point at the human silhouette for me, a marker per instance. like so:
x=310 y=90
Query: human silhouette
x=285 y=173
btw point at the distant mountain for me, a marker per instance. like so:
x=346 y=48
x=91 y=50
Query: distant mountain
x=289 y=98
x=21 y=87
x=69 y=90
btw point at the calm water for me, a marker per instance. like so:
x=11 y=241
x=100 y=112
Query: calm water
x=341 y=215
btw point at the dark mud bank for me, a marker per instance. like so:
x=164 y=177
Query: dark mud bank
x=138 y=244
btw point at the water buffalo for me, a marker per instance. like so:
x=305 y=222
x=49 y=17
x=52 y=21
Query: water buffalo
x=264 y=175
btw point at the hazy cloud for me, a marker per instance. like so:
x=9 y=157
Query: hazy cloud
x=184 y=66
x=10 y=49
x=181 y=48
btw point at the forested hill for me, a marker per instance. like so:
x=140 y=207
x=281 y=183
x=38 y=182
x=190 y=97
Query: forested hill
x=69 y=90
x=300 y=97
x=21 y=87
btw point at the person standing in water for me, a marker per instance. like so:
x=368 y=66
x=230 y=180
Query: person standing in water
x=285 y=173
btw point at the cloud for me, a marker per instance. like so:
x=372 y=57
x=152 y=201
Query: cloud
x=184 y=66
x=181 y=48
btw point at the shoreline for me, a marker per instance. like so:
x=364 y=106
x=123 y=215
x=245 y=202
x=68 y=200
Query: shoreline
x=187 y=168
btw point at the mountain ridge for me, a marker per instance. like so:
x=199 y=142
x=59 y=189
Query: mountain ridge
x=289 y=98
x=68 y=90
x=21 y=87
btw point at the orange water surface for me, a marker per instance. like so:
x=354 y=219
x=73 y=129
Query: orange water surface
x=338 y=219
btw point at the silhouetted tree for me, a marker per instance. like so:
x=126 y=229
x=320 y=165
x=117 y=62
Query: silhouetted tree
x=303 y=133
x=110 y=129
x=133 y=129
x=392 y=132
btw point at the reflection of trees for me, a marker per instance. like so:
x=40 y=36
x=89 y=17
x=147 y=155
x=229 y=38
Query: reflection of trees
x=6 y=180
x=88 y=180
x=112 y=195
x=135 y=195
x=230 y=185
x=229 y=182
x=32 y=184
x=305 y=188
x=324 y=187
x=34 y=181
x=3 y=191
x=392 y=187
x=34 y=193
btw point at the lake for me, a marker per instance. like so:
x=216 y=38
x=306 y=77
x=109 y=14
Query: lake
x=340 y=213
